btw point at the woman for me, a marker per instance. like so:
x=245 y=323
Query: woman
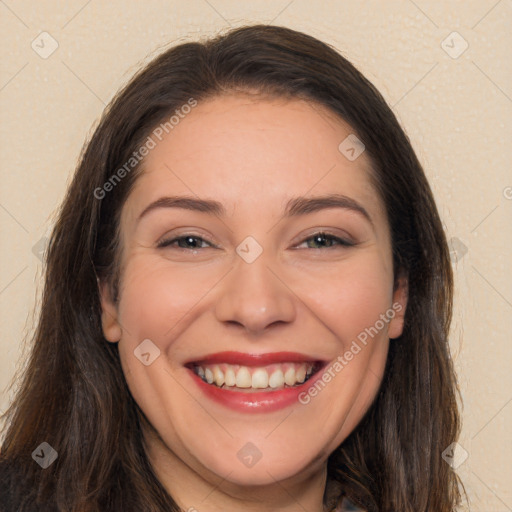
x=247 y=299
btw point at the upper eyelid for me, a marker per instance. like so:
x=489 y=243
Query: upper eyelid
x=327 y=232
x=169 y=240
x=348 y=241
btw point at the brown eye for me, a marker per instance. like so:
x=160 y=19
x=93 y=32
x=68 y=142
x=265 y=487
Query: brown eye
x=325 y=241
x=185 y=242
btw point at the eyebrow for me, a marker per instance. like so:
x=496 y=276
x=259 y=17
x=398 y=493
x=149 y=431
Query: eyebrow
x=294 y=207
x=304 y=205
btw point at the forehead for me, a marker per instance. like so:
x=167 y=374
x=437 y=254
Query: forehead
x=245 y=151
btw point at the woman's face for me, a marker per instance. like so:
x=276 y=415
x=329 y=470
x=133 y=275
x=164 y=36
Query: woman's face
x=257 y=294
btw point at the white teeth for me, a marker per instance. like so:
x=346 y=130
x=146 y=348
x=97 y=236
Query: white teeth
x=208 y=375
x=260 y=379
x=300 y=374
x=289 y=377
x=276 y=379
x=218 y=376
x=273 y=376
x=230 y=377
x=243 y=378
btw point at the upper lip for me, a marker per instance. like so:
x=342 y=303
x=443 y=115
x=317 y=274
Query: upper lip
x=249 y=359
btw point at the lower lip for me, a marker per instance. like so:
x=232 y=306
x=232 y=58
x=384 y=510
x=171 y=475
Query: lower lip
x=254 y=402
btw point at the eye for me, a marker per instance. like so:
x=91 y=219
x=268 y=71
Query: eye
x=186 y=242
x=325 y=241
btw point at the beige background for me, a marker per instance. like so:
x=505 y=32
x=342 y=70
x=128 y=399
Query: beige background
x=457 y=112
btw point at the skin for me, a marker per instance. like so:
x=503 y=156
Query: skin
x=252 y=155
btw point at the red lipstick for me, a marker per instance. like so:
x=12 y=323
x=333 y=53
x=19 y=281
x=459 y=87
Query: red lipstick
x=254 y=401
x=244 y=359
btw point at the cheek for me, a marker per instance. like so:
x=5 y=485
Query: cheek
x=352 y=304
x=350 y=298
x=158 y=300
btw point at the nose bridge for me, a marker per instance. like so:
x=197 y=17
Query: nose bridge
x=254 y=297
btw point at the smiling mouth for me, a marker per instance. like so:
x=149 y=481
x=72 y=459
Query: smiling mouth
x=272 y=377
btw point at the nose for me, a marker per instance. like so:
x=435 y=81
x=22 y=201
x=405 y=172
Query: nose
x=255 y=297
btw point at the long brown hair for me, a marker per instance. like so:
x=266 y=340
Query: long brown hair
x=73 y=394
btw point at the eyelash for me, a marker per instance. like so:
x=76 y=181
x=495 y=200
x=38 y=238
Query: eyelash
x=340 y=241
